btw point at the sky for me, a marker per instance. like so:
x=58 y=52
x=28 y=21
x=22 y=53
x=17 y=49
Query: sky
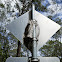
x=57 y=8
x=51 y=6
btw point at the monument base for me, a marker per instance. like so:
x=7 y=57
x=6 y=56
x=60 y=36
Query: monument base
x=26 y=59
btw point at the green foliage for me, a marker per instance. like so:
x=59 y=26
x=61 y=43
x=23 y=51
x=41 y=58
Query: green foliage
x=50 y=17
x=4 y=47
x=39 y=6
x=0 y=50
x=1 y=5
x=2 y=15
x=12 y=36
x=27 y=6
x=52 y=49
x=13 y=52
x=59 y=32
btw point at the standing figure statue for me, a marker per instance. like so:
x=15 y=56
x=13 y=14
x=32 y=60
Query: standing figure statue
x=28 y=34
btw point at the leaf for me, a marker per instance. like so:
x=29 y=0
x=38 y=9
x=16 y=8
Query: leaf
x=1 y=5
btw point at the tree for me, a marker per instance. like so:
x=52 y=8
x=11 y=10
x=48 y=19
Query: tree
x=4 y=48
x=58 y=34
x=19 y=49
x=52 y=49
x=5 y=11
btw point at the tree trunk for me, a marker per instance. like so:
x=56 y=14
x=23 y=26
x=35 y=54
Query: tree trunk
x=19 y=49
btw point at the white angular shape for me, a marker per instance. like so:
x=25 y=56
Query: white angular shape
x=17 y=27
x=47 y=28
x=25 y=59
x=17 y=59
x=49 y=59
